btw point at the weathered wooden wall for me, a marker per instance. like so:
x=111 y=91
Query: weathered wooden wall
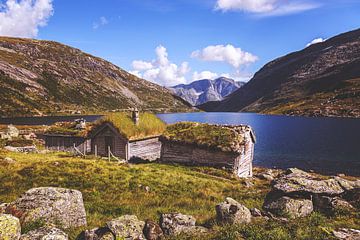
x=119 y=146
x=188 y=154
x=147 y=149
x=240 y=163
x=66 y=143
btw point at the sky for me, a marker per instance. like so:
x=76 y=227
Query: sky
x=171 y=42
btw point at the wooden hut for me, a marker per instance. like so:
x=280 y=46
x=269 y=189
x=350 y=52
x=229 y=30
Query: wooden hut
x=121 y=135
x=210 y=145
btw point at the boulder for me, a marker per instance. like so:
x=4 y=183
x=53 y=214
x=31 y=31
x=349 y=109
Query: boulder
x=286 y=206
x=348 y=234
x=176 y=223
x=102 y=233
x=59 y=206
x=10 y=228
x=153 y=231
x=329 y=205
x=232 y=212
x=127 y=227
x=45 y=233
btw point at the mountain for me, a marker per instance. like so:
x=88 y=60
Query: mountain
x=320 y=80
x=45 y=77
x=205 y=90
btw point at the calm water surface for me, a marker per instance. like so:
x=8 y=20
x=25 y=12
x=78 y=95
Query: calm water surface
x=326 y=145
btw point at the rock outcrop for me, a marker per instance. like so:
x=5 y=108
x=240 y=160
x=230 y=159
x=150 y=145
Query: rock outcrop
x=102 y=233
x=298 y=193
x=127 y=227
x=60 y=206
x=347 y=234
x=45 y=233
x=286 y=206
x=10 y=228
x=232 y=212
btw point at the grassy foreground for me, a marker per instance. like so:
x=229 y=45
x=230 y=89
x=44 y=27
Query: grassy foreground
x=111 y=190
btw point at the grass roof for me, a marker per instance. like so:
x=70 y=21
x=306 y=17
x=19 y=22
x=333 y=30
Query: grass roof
x=149 y=124
x=221 y=137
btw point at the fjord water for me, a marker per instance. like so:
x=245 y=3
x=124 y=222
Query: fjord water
x=325 y=145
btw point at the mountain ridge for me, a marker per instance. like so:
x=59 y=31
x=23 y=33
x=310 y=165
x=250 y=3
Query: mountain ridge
x=205 y=90
x=45 y=77
x=320 y=80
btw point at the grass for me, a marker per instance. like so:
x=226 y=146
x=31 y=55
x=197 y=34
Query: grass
x=111 y=190
x=207 y=135
x=149 y=124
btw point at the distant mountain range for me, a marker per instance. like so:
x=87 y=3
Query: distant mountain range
x=202 y=91
x=44 y=77
x=321 y=80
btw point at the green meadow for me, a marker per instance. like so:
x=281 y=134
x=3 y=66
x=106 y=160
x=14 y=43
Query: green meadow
x=111 y=190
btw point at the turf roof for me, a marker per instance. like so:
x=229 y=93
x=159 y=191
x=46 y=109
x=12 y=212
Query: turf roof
x=221 y=137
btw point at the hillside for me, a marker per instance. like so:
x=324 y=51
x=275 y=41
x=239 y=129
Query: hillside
x=44 y=77
x=320 y=80
x=202 y=91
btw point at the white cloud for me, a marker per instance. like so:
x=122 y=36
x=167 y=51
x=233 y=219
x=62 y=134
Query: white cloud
x=23 y=18
x=316 y=40
x=204 y=75
x=266 y=7
x=229 y=54
x=161 y=70
x=101 y=22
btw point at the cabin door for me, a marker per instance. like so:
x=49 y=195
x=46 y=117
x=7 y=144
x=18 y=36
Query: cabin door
x=109 y=144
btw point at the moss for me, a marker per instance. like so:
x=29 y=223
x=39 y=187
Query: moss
x=224 y=138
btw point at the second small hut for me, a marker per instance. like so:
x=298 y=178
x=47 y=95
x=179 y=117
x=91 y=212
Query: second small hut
x=210 y=145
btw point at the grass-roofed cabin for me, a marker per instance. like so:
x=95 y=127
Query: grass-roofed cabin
x=210 y=145
x=124 y=134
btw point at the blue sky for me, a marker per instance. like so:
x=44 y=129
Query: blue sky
x=193 y=38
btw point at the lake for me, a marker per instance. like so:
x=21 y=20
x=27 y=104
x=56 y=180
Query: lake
x=325 y=145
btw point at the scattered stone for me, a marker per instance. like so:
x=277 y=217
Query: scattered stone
x=232 y=212
x=59 y=206
x=127 y=227
x=348 y=234
x=153 y=231
x=27 y=149
x=7 y=160
x=45 y=233
x=147 y=188
x=341 y=175
x=248 y=183
x=255 y=212
x=265 y=176
x=3 y=207
x=102 y=233
x=329 y=205
x=176 y=223
x=10 y=228
x=286 y=206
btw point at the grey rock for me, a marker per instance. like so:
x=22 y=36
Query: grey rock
x=232 y=212
x=255 y=212
x=176 y=223
x=153 y=231
x=10 y=228
x=265 y=176
x=45 y=233
x=347 y=234
x=3 y=207
x=286 y=206
x=127 y=227
x=59 y=206
x=102 y=233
